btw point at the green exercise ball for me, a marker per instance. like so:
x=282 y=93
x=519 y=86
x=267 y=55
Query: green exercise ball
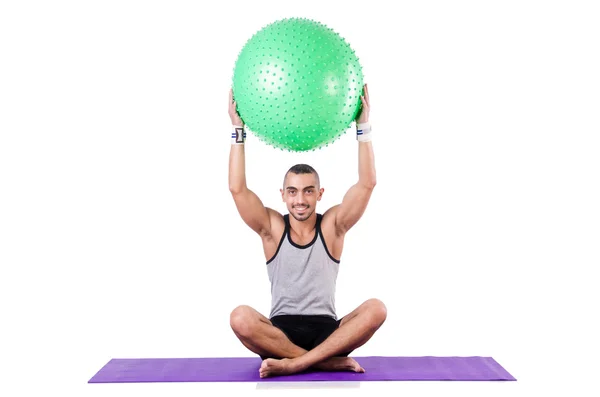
x=297 y=84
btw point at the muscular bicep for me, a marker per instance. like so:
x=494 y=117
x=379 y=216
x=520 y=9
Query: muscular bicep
x=253 y=211
x=352 y=207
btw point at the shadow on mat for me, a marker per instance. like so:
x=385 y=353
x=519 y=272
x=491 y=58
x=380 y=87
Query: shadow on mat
x=307 y=385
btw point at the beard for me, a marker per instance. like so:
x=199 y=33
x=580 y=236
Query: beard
x=304 y=216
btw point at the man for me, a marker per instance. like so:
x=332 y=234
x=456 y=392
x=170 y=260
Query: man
x=302 y=253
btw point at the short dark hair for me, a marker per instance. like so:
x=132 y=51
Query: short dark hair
x=301 y=169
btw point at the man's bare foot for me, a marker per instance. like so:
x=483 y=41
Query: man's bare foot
x=273 y=367
x=340 y=364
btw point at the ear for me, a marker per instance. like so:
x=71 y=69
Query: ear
x=321 y=190
x=282 y=198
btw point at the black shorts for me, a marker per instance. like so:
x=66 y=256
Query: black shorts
x=306 y=332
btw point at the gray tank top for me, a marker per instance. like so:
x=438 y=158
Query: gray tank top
x=303 y=277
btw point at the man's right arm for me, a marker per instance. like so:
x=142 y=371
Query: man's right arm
x=249 y=206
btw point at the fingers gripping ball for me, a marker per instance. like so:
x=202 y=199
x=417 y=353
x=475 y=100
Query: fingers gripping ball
x=297 y=84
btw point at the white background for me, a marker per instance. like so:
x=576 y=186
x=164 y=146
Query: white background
x=119 y=238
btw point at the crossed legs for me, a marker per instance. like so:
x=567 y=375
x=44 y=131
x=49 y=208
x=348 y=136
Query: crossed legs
x=258 y=334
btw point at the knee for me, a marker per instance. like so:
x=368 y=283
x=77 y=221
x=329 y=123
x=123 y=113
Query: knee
x=240 y=320
x=377 y=312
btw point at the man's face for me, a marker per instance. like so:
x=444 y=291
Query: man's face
x=301 y=193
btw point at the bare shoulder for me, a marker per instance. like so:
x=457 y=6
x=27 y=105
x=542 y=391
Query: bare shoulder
x=277 y=225
x=332 y=234
x=272 y=236
x=328 y=224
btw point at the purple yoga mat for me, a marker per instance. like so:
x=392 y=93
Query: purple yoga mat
x=245 y=369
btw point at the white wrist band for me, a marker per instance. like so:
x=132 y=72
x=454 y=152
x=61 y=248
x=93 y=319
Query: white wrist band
x=363 y=132
x=238 y=135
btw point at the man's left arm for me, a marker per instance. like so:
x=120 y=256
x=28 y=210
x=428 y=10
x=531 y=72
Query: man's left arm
x=357 y=198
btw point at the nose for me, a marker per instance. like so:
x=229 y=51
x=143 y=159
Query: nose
x=300 y=199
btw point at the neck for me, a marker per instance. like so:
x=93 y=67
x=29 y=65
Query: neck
x=304 y=227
